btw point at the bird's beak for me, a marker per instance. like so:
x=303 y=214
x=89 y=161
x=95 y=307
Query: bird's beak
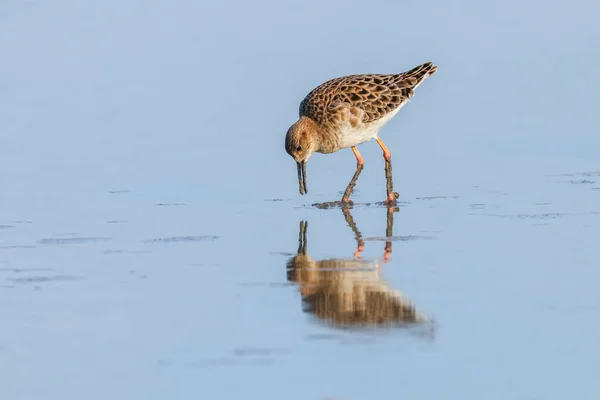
x=302 y=176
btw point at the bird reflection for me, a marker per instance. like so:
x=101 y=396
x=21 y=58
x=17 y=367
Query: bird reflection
x=349 y=293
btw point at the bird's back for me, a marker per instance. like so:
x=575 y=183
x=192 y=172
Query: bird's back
x=373 y=96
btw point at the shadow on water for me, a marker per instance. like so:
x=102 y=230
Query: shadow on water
x=349 y=293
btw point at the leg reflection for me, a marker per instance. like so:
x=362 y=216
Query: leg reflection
x=360 y=244
x=389 y=233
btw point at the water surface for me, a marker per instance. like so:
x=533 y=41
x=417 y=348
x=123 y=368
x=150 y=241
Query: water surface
x=150 y=220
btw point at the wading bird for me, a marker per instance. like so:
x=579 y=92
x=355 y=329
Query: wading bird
x=347 y=111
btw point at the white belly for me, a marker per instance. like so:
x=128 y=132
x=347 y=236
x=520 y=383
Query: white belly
x=353 y=136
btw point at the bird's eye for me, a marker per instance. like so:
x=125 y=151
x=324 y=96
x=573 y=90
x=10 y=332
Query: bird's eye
x=298 y=148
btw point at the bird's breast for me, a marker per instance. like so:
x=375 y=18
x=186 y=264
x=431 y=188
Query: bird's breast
x=353 y=133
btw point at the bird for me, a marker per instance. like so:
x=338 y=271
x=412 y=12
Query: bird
x=347 y=111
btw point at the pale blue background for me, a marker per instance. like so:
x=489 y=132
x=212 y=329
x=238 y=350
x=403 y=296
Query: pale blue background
x=187 y=102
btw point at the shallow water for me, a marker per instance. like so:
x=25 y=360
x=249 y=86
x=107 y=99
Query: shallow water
x=153 y=243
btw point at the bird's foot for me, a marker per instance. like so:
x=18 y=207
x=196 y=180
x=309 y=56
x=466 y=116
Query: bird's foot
x=346 y=202
x=391 y=199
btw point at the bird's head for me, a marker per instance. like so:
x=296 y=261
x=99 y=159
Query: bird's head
x=300 y=142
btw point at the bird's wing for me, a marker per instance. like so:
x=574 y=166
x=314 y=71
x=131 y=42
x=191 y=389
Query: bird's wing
x=375 y=95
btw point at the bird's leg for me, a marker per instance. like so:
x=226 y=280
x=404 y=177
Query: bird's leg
x=359 y=166
x=387 y=156
x=360 y=244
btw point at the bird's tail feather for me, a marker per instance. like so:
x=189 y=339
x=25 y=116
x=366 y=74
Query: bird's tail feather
x=414 y=77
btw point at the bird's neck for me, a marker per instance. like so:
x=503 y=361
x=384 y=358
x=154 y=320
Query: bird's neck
x=326 y=141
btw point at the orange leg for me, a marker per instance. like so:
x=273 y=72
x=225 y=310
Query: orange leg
x=359 y=167
x=387 y=156
x=359 y=159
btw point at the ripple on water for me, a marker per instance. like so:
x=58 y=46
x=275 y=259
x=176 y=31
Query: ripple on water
x=117 y=251
x=19 y=270
x=42 y=279
x=527 y=216
x=437 y=197
x=75 y=240
x=242 y=356
x=397 y=238
x=338 y=204
x=183 y=239
x=587 y=174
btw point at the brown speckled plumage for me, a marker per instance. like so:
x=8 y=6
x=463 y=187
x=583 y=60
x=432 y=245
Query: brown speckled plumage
x=370 y=95
x=347 y=111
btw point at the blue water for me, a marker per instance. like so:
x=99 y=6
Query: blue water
x=149 y=212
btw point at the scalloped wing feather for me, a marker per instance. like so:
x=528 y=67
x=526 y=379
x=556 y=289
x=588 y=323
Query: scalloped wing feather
x=362 y=99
